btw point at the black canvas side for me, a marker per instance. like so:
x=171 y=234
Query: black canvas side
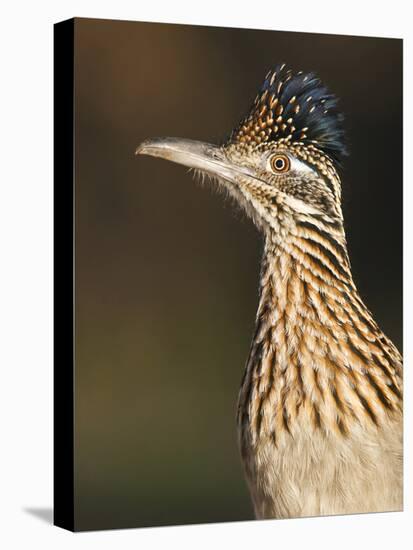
x=63 y=274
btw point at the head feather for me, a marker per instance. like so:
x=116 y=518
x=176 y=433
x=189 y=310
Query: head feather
x=294 y=107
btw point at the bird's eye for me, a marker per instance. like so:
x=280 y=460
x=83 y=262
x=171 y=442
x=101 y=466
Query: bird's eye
x=280 y=163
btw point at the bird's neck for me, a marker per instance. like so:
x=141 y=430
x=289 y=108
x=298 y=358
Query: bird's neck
x=317 y=355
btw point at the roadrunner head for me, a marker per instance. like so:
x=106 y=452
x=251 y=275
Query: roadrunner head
x=280 y=161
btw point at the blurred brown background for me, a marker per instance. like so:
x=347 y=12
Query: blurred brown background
x=167 y=272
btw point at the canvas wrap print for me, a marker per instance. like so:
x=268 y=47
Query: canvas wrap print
x=229 y=355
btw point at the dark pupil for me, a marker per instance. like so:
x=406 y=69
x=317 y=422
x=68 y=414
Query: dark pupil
x=279 y=163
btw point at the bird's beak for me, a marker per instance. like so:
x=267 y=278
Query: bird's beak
x=194 y=154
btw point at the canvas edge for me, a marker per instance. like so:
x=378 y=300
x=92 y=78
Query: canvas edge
x=63 y=248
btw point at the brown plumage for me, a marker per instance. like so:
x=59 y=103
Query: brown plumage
x=320 y=405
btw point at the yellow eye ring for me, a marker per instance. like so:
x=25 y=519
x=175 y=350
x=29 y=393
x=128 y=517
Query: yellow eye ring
x=280 y=163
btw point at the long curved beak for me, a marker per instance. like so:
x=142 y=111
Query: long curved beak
x=194 y=154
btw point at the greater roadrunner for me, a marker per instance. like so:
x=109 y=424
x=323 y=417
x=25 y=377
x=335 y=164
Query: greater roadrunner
x=320 y=405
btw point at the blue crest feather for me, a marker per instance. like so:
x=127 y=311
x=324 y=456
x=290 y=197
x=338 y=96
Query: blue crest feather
x=296 y=107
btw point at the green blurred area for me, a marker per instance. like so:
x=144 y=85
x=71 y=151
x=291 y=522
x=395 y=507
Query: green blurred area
x=167 y=272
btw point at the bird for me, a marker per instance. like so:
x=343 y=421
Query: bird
x=319 y=412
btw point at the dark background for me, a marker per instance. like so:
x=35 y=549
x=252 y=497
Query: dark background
x=167 y=272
